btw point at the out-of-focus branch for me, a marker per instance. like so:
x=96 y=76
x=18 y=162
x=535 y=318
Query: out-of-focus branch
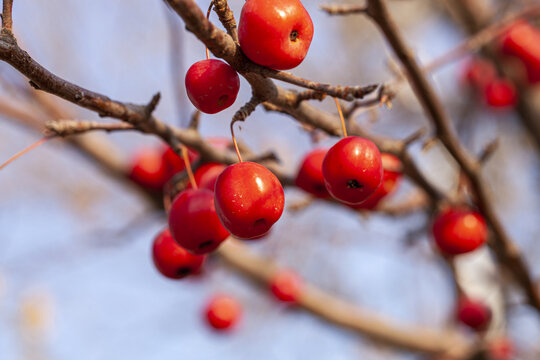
x=345 y=314
x=505 y=249
x=343 y=9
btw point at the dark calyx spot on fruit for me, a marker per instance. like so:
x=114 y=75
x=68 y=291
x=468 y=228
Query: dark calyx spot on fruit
x=206 y=244
x=222 y=100
x=320 y=189
x=293 y=36
x=353 y=184
x=259 y=222
x=183 y=271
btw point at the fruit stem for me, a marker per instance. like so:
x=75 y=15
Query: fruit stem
x=234 y=142
x=341 y=117
x=188 y=167
x=24 y=151
x=208 y=17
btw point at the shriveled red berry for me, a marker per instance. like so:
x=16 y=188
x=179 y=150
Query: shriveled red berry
x=148 y=169
x=172 y=260
x=249 y=199
x=286 y=285
x=474 y=313
x=207 y=174
x=223 y=312
x=500 y=93
x=310 y=176
x=390 y=181
x=194 y=223
x=212 y=85
x=352 y=170
x=276 y=34
x=458 y=231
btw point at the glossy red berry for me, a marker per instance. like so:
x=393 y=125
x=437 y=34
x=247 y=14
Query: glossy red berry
x=458 y=231
x=390 y=181
x=206 y=175
x=276 y=34
x=223 y=312
x=286 y=286
x=212 y=85
x=310 y=176
x=172 y=260
x=500 y=93
x=148 y=169
x=249 y=199
x=352 y=170
x=194 y=223
x=473 y=313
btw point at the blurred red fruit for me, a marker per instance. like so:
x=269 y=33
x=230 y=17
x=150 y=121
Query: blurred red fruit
x=500 y=93
x=473 y=313
x=286 y=285
x=223 y=312
x=458 y=231
x=310 y=176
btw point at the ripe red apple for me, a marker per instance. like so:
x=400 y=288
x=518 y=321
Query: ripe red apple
x=391 y=177
x=310 y=176
x=458 y=231
x=212 y=85
x=223 y=312
x=474 y=313
x=276 y=34
x=172 y=260
x=249 y=199
x=286 y=286
x=194 y=223
x=352 y=170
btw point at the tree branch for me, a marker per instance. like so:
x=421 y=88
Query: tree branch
x=506 y=251
x=7 y=21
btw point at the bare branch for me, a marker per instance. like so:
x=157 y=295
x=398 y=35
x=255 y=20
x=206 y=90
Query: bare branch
x=74 y=127
x=226 y=17
x=343 y=9
x=7 y=21
x=506 y=251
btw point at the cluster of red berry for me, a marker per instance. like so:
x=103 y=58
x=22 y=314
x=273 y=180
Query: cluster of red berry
x=519 y=43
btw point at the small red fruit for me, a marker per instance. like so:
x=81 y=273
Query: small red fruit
x=390 y=181
x=501 y=349
x=521 y=40
x=148 y=169
x=459 y=231
x=352 y=170
x=171 y=259
x=500 y=93
x=212 y=85
x=206 y=175
x=194 y=223
x=286 y=285
x=175 y=163
x=473 y=313
x=310 y=176
x=479 y=72
x=222 y=312
x=249 y=199
x=276 y=34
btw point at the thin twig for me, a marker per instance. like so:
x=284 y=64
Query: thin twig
x=7 y=20
x=73 y=127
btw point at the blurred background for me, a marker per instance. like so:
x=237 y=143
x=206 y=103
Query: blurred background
x=76 y=275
